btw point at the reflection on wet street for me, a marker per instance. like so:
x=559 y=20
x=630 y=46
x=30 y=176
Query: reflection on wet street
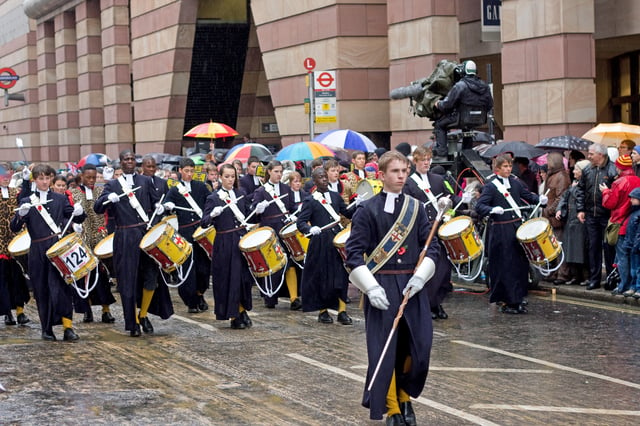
x=566 y=362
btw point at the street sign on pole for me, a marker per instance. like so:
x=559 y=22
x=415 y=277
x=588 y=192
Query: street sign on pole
x=8 y=78
x=325 y=96
x=309 y=64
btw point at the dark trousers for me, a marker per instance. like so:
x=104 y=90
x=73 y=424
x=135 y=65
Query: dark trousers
x=440 y=127
x=595 y=227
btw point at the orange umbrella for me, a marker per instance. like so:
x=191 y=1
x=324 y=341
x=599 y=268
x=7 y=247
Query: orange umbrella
x=211 y=130
x=611 y=134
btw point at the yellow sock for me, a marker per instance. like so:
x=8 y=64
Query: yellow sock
x=105 y=308
x=147 y=295
x=241 y=309
x=19 y=310
x=67 y=323
x=403 y=396
x=323 y=310
x=292 y=283
x=392 y=397
x=342 y=306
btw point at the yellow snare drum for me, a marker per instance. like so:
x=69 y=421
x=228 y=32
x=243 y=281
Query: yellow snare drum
x=104 y=248
x=20 y=244
x=263 y=252
x=205 y=237
x=367 y=188
x=296 y=243
x=164 y=245
x=539 y=243
x=72 y=258
x=460 y=239
x=340 y=241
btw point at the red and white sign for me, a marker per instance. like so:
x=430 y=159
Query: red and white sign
x=8 y=78
x=325 y=80
x=309 y=64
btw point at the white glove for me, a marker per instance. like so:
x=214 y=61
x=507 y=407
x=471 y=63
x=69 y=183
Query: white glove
x=169 y=205
x=293 y=218
x=77 y=227
x=107 y=173
x=113 y=197
x=77 y=210
x=466 y=197
x=24 y=209
x=497 y=210
x=315 y=230
x=26 y=173
x=217 y=211
x=358 y=200
x=543 y=200
x=362 y=278
x=261 y=207
x=424 y=272
x=159 y=209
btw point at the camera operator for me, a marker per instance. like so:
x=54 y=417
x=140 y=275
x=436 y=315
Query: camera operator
x=469 y=91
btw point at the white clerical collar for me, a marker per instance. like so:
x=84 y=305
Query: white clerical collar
x=390 y=202
x=333 y=186
x=187 y=185
x=360 y=173
x=128 y=178
x=43 y=196
x=296 y=196
x=505 y=182
x=276 y=188
x=5 y=191
x=88 y=193
x=256 y=180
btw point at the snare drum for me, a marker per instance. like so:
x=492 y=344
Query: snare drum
x=539 y=243
x=72 y=258
x=205 y=237
x=340 y=241
x=295 y=241
x=263 y=252
x=172 y=220
x=104 y=248
x=367 y=188
x=164 y=245
x=20 y=244
x=460 y=239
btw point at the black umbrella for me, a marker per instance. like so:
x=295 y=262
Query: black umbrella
x=565 y=142
x=517 y=148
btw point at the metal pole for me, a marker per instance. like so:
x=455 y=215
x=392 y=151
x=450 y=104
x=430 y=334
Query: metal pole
x=490 y=115
x=312 y=108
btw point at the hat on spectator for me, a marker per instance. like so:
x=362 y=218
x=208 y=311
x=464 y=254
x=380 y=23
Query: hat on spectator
x=637 y=149
x=582 y=164
x=635 y=193
x=624 y=162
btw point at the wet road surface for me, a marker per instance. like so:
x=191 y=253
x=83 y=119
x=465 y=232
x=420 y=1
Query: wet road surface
x=568 y=361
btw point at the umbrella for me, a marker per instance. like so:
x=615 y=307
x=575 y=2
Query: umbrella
x=95 y=159
x=611 y=134
x=304 y=151
x=211 y=130
x=517 y=148
x=243 y=151
x=565 y=142
x=346 y=139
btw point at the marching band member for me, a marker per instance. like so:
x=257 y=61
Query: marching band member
x=130 y=199
x=299 y=194
x=427 y=187
x=92 y=230
x=45 y=214
x=191 y=194
x=14 y=293
x=324 y=280
x=250 y=182
x=275 y=215
x=386 y=273
x=501 y=199
x=225 y=210
x=342 y=187
x=358 y=159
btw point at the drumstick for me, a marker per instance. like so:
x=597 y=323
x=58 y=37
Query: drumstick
x=183 y=209
x=327 y=226
x=519 y=208
x=33 y=205
x=538 y=205
x=443 y=205
x=104 y=203
x=269 y=202
x=154 y=213
x=426 y=203
x=232 y=202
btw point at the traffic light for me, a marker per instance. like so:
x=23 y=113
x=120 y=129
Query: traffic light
x=12 y=97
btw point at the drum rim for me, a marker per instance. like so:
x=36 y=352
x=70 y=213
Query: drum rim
x=101 y=243
x=24 y=234
x=535 y=219
x=263 y=228
x=153 y=228
x=457 y=218
x=59 y=245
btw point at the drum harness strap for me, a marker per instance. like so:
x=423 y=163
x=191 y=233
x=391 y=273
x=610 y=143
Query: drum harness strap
x=187 y=196
x=226 y=198
x=319 y=197
x=425 y=187
x=133 y=201
x=35 y=202
x=395 y=236
x=269 y=187
x=505 y=193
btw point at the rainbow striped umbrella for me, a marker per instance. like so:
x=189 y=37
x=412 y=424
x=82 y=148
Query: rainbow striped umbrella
x=304 y=151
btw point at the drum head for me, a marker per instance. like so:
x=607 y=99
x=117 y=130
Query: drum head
x=289 y=229
x=20 y=243
x=64 y=244
x=367 y=188
x=532 y=228
x=153 y=235
x=342 y=237
x=454 y=226
x=256 y=238
x=171 y=220
x=104 y=246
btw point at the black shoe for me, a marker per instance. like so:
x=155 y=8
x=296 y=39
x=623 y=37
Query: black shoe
x=572 y=281
x=244 y=317
x=269 y=305
x=559 y=282
x=407 y=413
x=522 y=309
x=395 y=420
x=441 y=313
x=202 y=304
x=296 y=305
x=325 y=318
x=8 y=319
x=88 y=316
x=510 y=309
x=237 y=324
x=616 y=292
x=434 y=315
x=344 y=319
x=146 y=325
x=347 y=300
x=108 y=318
x=70 y=335
x=136 y=331
x=593 y=286
x=194 y=310
x=23 y=319
x=48 y=335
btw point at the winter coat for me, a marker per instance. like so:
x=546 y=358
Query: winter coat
x=588 y=195
x=617 y=200
x=557 y=183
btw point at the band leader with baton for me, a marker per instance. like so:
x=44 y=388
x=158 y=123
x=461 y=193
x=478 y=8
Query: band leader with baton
x=388 y=233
